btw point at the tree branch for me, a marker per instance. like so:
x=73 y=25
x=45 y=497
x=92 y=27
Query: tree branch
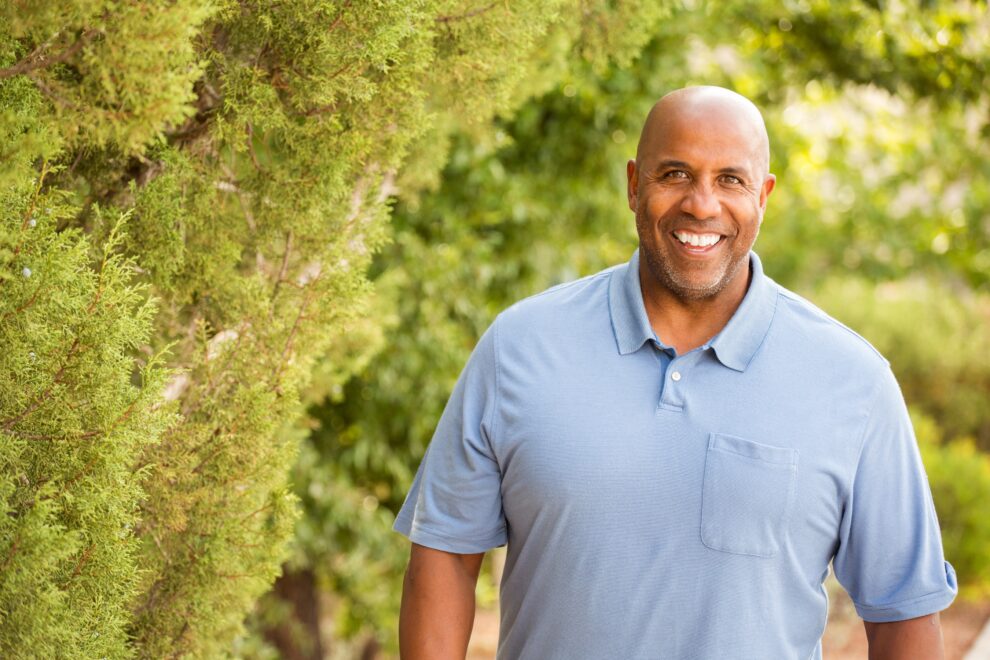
x=282 y=270
x=37 y=60
x=469 y=14
x=9 y=423
x=82 y=560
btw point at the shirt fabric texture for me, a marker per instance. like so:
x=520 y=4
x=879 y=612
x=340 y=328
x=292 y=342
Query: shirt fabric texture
x=671 y=506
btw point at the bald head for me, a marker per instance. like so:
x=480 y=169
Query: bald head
x=711 y=109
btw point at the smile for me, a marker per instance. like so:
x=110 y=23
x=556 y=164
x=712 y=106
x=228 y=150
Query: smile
x=697 y=240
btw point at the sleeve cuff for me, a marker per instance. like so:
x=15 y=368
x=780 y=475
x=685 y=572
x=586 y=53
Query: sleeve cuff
x=915 y=607
x=431 y=539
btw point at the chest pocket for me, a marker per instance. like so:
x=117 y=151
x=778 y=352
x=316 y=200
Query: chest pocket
x=747 y=495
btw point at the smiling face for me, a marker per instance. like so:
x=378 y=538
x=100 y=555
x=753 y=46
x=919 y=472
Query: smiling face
x=699 y=186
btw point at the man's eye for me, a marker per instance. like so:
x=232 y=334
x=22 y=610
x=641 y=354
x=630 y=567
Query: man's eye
x=675 y=174
x=734 y=180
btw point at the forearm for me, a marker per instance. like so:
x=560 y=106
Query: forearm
x=437 y=605
x=919 y=638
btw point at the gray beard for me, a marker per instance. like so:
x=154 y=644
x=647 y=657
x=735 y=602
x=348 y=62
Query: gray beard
x=670 y=279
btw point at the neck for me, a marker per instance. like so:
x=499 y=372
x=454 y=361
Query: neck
x=685 y=324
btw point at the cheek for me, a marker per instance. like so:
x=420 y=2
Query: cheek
x=657 y=206
x=747 y=213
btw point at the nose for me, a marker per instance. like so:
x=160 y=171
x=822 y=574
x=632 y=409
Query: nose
x=701 y=202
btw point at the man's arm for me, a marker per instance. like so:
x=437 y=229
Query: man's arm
x=437 y=604
x=912 y=639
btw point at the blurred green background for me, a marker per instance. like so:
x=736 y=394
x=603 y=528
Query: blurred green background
x=880 y=137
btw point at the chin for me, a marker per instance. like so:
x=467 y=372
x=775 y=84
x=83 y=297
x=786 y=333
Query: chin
x=699 y=292
x=686 y=287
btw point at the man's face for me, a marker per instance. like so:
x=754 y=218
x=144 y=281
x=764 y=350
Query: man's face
x=699 y=191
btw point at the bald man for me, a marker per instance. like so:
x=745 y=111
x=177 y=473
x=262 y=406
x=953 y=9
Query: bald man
x=676 y=449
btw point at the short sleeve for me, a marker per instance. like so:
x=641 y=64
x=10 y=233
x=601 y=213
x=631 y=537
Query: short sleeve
x=890 y=558
x=455 y=503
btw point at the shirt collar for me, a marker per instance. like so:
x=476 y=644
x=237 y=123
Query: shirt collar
x=625 y=302
x=734 y=346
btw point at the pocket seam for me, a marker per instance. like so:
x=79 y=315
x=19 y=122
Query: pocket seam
x=790 y=466
x=792 y=454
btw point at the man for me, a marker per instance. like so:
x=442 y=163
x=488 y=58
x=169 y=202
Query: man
x=676 y=448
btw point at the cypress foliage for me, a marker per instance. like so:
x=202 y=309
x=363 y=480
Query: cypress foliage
x=76 y=409
x=71 y=427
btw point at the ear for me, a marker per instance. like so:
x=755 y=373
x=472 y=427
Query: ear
x=769 y=183
x=632 y=185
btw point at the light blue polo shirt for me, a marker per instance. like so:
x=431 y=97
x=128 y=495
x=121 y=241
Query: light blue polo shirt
x=679 y=506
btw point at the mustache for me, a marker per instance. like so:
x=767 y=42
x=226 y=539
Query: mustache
x=690 y=223
x=681 y=221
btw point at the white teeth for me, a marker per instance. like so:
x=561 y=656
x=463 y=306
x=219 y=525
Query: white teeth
x=697 y=240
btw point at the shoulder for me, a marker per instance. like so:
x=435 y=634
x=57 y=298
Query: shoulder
x=561 y=305
x=813 y=331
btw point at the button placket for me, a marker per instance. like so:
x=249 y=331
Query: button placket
x=672 y=392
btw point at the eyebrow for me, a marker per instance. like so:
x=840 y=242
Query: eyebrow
x=668 y=164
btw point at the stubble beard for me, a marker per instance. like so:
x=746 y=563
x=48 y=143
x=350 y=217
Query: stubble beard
x=673 y=280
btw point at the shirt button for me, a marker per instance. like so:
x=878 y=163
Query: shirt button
x=676 y=376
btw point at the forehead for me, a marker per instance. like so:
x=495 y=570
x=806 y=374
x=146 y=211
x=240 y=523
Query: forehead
x=702 y=136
